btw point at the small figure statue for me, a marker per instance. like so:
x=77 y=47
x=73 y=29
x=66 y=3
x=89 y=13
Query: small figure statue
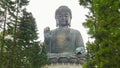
x=63 y=42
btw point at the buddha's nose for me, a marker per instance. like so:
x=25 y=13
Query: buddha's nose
x=63 y=17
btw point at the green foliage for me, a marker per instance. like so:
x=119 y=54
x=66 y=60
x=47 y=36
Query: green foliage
x=28 y=41
x=103 y=23
x=19 y=47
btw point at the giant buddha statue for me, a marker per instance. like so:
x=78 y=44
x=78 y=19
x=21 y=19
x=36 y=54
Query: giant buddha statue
x=63 y=44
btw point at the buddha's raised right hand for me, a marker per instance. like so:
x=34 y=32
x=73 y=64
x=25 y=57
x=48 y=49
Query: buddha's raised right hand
x=46 y=29
x=47 y=35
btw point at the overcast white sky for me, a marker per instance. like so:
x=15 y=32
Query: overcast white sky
x=44 y=13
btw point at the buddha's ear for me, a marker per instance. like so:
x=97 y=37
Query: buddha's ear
x=57 y=23
x=69 y=22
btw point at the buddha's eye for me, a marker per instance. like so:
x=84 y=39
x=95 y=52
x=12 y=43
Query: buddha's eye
x=60 y=16
x=66 y=15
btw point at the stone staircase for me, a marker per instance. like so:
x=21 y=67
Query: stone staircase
x=63 y=65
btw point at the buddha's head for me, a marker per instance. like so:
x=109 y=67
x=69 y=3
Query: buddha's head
x=63 y=16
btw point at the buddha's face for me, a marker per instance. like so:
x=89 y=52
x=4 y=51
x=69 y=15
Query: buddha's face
x=63 y=19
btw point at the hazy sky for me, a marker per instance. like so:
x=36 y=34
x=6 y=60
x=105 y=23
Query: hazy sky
x=44 y=13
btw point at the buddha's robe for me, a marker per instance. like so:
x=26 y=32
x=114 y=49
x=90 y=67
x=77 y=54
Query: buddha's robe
x=63 y=40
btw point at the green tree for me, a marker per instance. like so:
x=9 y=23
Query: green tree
x=103 y=23
x=19 y=45
x=31 y=48
x=43 y=59
x=10 y=13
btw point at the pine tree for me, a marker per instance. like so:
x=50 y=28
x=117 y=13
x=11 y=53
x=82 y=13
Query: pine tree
x=19 y=45
x=103 y=23
x=10 y=13
x=31 y=48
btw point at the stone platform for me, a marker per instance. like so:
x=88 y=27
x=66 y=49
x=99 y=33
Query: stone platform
x=67 y=65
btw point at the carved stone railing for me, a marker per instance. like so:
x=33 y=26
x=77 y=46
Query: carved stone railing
x=66 y=65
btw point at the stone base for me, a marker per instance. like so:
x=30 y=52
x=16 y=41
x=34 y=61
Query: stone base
x=67 y=65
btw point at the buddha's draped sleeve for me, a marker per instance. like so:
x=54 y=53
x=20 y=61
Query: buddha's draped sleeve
x=47 y=41
x=78 y=40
